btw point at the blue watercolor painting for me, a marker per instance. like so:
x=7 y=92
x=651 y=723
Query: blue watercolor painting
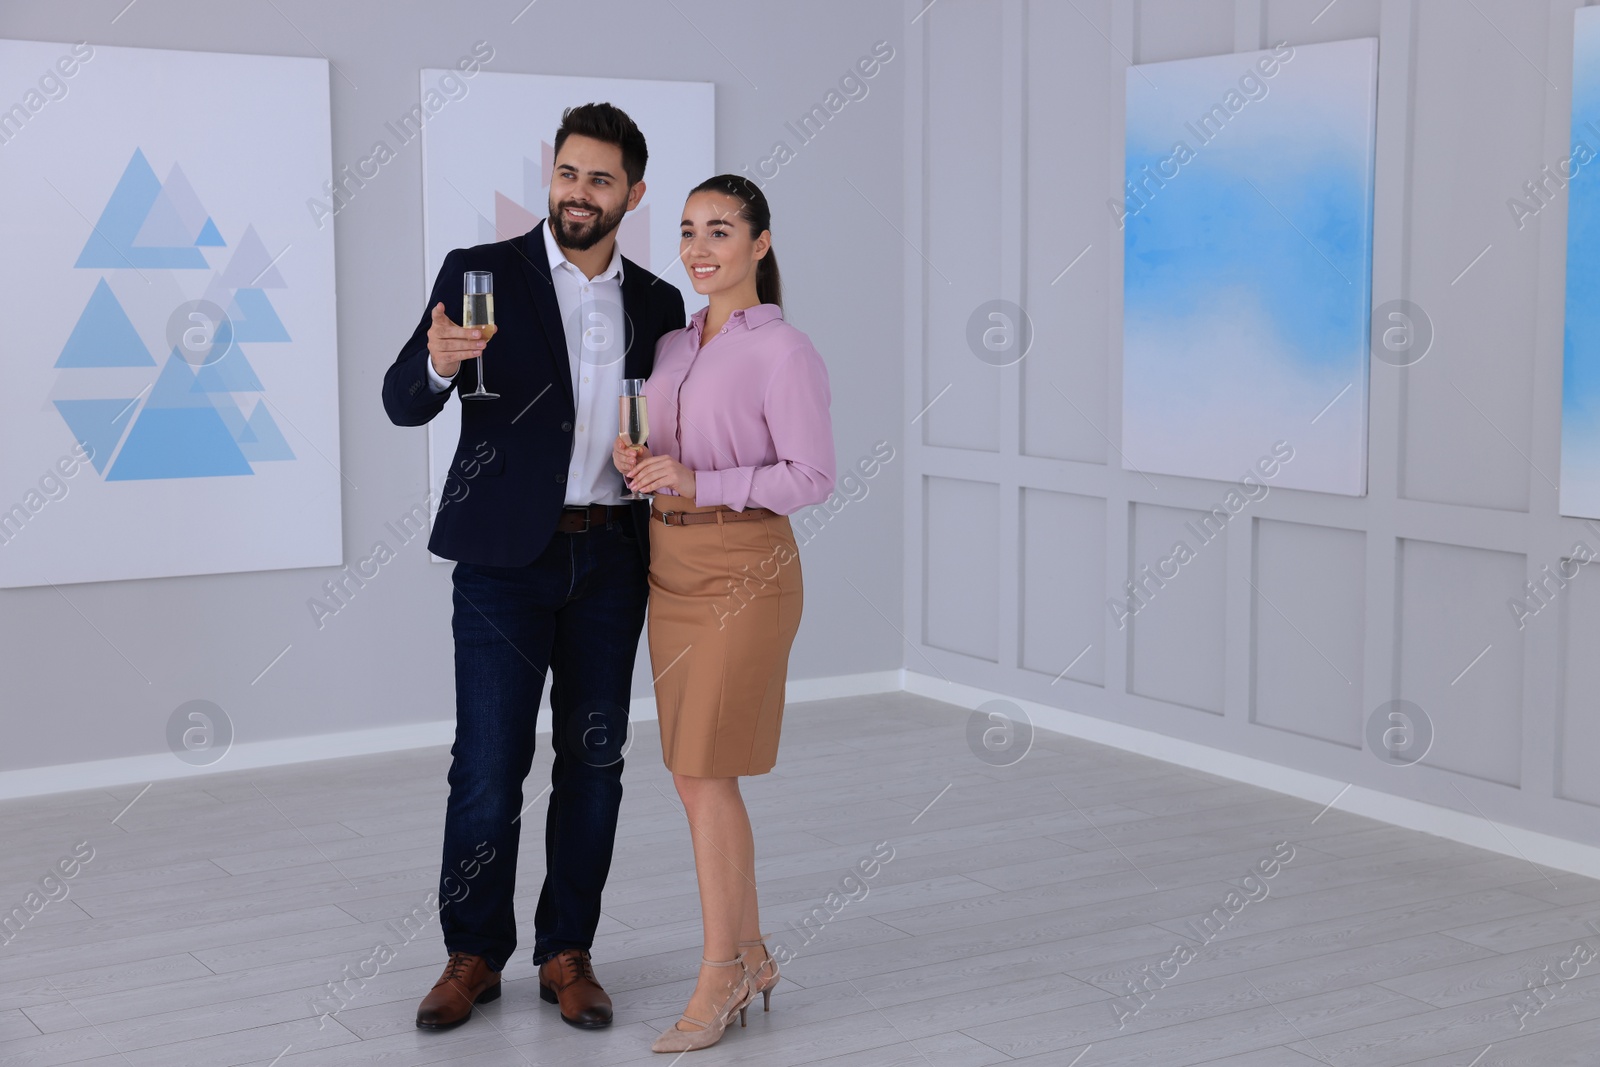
x=1580 y=373
x=1247 y=236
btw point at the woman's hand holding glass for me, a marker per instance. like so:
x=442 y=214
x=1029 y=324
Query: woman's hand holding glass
x=625 y=456
x=645 y=473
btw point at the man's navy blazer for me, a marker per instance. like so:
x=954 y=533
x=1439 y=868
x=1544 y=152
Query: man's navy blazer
x=507 y=481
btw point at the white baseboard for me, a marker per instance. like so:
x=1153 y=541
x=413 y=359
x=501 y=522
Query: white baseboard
x=250 y=755
x=242 y=756
x=1467 y=829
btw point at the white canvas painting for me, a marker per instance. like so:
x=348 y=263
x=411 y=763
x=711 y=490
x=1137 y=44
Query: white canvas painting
x=172 y=389
x=487 y=157
x=1248 y=264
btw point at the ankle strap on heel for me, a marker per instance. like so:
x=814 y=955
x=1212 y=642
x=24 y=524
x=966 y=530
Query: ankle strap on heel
x=723 y=963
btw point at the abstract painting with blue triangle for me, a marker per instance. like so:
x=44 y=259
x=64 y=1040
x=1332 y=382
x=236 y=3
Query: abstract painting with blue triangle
x=187 y=422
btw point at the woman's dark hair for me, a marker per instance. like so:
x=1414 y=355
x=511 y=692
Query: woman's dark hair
x=603 y=122
x=755 y=212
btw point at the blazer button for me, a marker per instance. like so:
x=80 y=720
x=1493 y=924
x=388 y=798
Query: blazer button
x=566 y=427
x=560 y=478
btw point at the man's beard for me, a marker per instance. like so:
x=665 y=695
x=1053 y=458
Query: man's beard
x=581 y=238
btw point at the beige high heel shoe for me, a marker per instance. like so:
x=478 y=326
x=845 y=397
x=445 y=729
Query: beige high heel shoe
x=674 y=1040
x=757 y=982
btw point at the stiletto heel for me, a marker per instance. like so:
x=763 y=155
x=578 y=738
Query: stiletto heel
x=757 y=982
x=673 y=1039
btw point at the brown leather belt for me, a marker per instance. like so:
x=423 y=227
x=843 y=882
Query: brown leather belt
x=580 y=519
x=690 y=518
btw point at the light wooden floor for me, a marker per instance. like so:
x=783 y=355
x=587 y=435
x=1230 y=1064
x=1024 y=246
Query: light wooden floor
x=1018 y=904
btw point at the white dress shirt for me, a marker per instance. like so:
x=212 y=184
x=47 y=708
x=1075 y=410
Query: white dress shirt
x=592 y=320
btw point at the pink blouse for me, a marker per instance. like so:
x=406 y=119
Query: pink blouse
x=748 y=413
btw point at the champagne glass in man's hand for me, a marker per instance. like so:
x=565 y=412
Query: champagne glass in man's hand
x=450 y=345
x=477 y=314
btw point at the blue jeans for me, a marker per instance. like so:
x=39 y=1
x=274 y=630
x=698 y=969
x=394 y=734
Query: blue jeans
x=574 y=613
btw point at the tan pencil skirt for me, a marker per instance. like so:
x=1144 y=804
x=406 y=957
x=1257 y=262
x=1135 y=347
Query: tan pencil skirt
x=725 y=601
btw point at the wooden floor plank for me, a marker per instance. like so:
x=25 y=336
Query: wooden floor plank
x=1022 y=906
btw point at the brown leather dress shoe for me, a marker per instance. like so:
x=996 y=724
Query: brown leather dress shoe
x=467 y=980
x=567 y=979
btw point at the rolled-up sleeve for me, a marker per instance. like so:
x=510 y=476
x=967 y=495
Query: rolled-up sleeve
x=795 y=408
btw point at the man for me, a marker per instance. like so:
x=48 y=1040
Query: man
x=552 y=562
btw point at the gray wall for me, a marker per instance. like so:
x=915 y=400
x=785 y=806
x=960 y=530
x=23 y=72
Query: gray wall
x=981 y=163
x=93 y=671
x=1312 y=611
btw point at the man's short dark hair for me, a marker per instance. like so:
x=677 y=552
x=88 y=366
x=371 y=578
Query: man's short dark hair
x=603 y=122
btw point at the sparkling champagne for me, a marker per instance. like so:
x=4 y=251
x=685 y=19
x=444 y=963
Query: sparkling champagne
x=633 y=424
x=634 y=420
x=477 y=313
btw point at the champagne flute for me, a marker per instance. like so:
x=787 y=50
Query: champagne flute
x=634 y=423
x=478 y=314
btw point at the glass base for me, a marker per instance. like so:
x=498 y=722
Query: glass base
x=479 y=394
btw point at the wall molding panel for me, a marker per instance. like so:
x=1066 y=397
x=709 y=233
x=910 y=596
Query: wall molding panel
x=1302 y=623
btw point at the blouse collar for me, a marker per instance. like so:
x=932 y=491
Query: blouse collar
x=750 y=317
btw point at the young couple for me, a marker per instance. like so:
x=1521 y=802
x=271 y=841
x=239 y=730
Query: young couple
x=555 y=565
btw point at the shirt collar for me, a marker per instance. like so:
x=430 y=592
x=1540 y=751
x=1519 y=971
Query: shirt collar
x=559 y=261
x=751 y=317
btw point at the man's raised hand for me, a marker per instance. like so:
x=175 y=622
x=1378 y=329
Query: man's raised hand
x=449 y=344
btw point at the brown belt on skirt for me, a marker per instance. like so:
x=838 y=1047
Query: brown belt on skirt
x=720 y=515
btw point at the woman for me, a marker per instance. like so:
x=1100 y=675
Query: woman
x=738 y=406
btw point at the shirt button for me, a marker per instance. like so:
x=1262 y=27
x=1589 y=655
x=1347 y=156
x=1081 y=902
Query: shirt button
x=586 y=379
x=580 y=427
x=566 y=427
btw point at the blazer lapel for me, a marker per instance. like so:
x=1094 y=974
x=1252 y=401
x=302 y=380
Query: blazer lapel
x=637 y=360
x=536 y=268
